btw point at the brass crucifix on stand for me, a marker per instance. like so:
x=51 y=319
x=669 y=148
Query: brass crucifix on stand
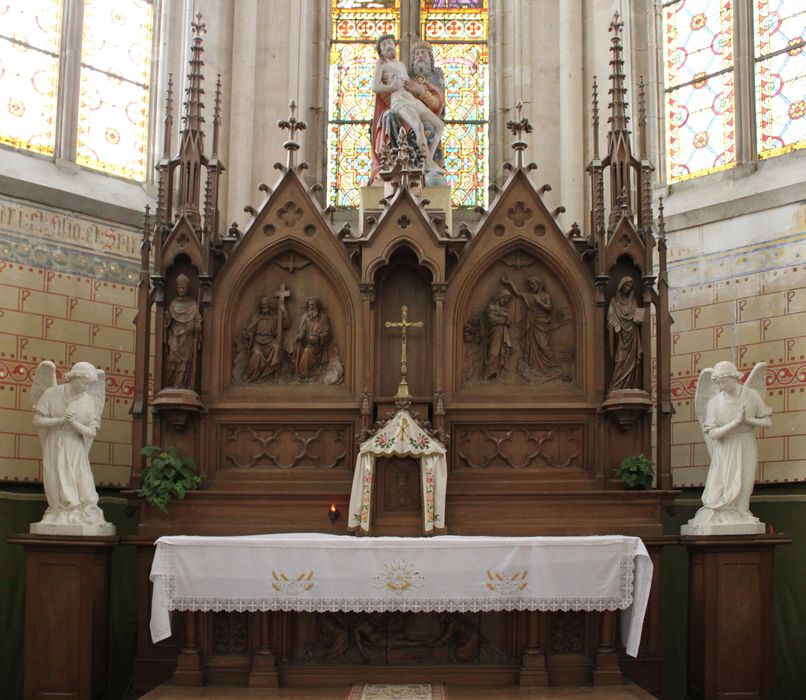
x=404 y=325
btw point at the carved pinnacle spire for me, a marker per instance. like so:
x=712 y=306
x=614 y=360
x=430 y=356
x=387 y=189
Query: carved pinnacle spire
x=618 y=106
x=641 y=118
x=169 y=117
x=146 y=227
x=192 y=119
x=595 y=118
x=292 y=124
x=518 y=127
x=216 y=114
x=661 y=220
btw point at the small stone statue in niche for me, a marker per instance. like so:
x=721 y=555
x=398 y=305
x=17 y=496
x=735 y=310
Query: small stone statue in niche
x=67 y=417
x=729 y=414
x=499 y=343
x=263 y=337
x=183 y=324
x=316 y=357
x=624 y=319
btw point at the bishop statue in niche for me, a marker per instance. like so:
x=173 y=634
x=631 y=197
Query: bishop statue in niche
x=265 y=352
x=183 y=325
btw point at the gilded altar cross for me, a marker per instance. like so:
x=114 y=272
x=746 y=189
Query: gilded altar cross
x=404 y=324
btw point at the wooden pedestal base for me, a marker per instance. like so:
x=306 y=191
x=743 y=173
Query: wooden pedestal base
x=66 y=621
x=730 y=616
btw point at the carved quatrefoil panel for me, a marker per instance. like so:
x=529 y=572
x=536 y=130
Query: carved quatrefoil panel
x=520 y=447
x=286 y=447
x=289 y=213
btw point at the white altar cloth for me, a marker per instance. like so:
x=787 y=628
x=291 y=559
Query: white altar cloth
x=330 y=573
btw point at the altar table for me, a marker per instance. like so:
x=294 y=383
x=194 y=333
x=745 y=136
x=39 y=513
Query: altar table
x=332 y=573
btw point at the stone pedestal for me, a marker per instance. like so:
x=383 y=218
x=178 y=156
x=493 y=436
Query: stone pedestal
x=66 y=615
x=730 y=616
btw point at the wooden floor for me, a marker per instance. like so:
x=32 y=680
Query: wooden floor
x=621 y=692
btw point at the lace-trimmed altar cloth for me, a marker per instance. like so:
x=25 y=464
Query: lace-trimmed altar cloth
x=400 y=437
x=309 y=572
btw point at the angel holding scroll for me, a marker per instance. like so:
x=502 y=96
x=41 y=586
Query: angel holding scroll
x=729 y=413
x=67 y=417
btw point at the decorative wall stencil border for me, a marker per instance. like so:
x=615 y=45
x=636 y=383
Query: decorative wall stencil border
x=17 y=373
x=786 y=376
x=21 y=250
x=60 y=226
x=738 y=262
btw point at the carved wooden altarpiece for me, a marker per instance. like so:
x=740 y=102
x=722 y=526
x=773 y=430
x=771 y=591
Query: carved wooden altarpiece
x=515 y=366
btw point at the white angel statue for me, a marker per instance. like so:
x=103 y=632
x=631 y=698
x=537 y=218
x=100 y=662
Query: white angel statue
x=67 y=417
x=729 y=413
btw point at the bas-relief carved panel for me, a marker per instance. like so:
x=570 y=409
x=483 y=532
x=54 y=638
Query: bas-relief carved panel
x=519 y=328
x=245 y=446
x=287 y=326
x=399 y=638
x=520 y=446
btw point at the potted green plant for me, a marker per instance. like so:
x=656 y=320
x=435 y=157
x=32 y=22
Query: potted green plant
x=636 y=472
x=167 y=475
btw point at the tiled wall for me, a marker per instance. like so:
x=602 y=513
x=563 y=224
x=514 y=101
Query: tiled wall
x=67 y=293
x=745 y=302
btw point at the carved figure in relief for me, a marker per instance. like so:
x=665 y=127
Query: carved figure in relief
x=729 y=414
x=624 y=319
x=537 y=325
x=316 y=357
x=499 y=342
x=395 y=92
x=183 y=324
x=67 y=417
x=263 y=337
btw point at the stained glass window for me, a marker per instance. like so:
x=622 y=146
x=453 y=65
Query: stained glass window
x=457 y=31
x=700 y=134
x=355 y=27
x=114 y=84
x=780 y=58
x=29 y=74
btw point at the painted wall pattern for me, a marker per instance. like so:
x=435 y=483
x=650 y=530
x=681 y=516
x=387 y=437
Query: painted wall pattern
x=752 y=308
x=67 y=293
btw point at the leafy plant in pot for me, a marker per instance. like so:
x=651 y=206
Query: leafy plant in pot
x=636 y=472
x=168 y=475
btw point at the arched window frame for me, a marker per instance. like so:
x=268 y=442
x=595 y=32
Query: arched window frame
x=66 y=116
x=746 y=103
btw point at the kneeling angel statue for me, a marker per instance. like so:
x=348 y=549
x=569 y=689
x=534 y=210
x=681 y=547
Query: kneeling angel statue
x=67 y=417
x=729 y=414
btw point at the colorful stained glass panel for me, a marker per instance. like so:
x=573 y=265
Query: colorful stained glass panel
x=453 y=25
x=455 y=4
x=698 y=67
x=349 y=161
x=700 y=128
x=364 y=21
x=351 y=69
x=780 y=52
x=464 y=148
x=465 y=71
x=114 y=87
x=29 y=74
x=699 y=39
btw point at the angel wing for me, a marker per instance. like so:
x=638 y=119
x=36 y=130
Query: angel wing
x=97 y=393
x=44 y=378
x=706 y=388
x=757 y=379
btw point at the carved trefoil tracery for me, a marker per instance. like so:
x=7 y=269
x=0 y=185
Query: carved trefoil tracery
x=521 y=446
x=285 y=447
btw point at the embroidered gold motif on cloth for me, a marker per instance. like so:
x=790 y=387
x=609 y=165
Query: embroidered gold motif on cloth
x=507 y=582
x=398 y=577
x=292 y=585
